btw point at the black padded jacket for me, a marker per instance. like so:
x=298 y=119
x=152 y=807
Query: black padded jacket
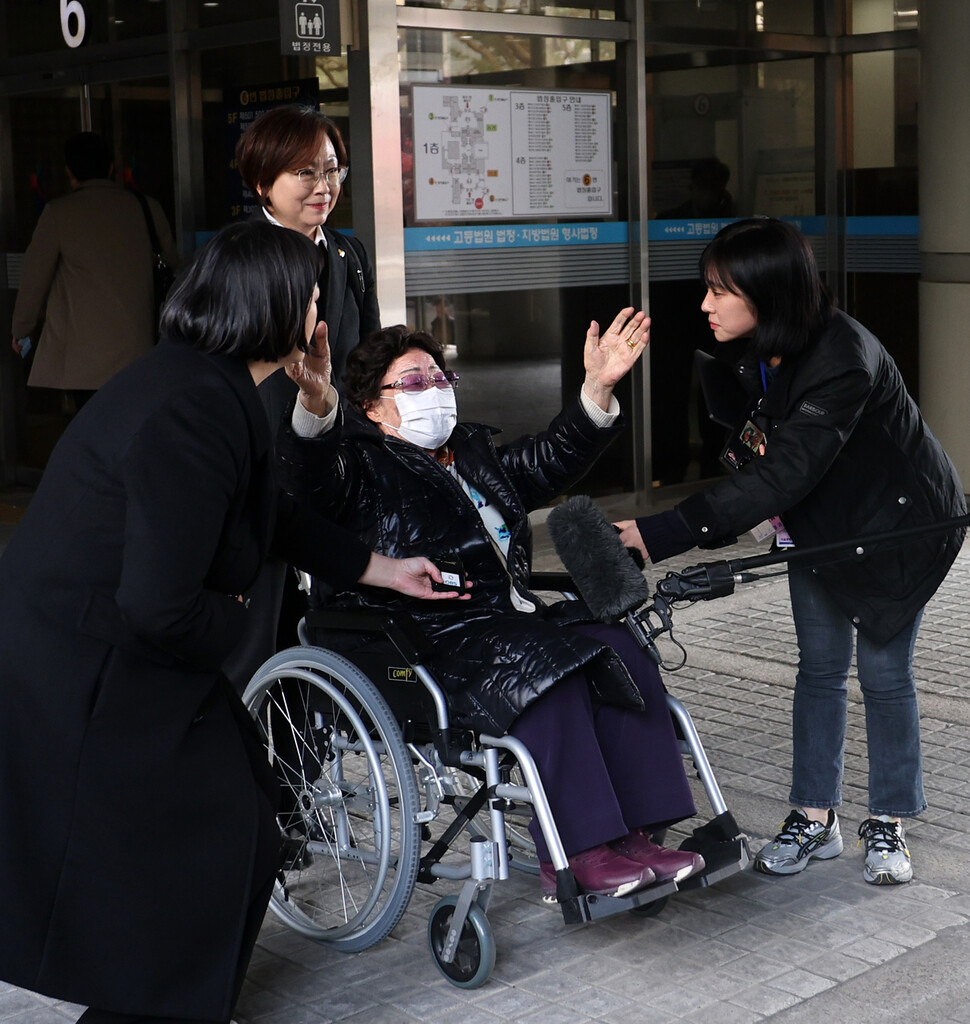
x=491 y=659
x=847 y=455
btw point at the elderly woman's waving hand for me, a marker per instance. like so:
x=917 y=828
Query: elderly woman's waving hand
x=609 y=357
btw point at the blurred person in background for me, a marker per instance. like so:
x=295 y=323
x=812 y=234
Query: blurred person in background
x=87 y=277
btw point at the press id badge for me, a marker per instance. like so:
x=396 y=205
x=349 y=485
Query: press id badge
x=739 y=451
x=772 y=527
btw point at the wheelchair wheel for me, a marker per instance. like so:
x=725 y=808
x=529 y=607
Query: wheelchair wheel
x=651 y=909
x=351 y=841
x=475 y=955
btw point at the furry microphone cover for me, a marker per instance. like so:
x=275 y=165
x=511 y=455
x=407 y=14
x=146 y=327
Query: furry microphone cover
x=591 y=552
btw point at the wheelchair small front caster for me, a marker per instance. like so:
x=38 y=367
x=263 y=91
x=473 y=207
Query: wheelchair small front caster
x=475 y=952
x=651 y=909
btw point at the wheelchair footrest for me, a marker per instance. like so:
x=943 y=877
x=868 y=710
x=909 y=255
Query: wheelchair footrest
x=586 y=907
x=724 y=849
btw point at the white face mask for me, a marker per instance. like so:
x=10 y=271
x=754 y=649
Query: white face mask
x=428 y=418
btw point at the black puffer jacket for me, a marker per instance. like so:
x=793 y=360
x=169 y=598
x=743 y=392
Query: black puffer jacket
x=848 y=455
x=494 y=659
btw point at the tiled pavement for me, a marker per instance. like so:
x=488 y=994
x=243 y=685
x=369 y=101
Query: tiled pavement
x=822 y=945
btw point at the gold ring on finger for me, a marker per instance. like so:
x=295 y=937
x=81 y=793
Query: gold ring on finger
x=632 y=343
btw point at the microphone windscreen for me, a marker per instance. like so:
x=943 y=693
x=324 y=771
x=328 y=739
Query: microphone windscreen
x=592 y=553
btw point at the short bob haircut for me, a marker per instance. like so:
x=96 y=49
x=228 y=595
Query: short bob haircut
x=284 y=139
x=771 y=264
x=246 y=293
x=368 y=362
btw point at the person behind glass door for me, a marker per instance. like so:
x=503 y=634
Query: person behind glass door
x=87 y=277
x=294 y=159
x=844 y=454
x=679 y=330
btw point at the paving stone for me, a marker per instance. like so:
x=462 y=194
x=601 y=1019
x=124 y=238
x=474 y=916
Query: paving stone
x=552 y=1014
x=727 y=1013
x=764 y=1000
x=736 y=953
x=803 y=984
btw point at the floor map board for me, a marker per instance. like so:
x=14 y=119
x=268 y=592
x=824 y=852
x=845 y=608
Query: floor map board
x=484 y=153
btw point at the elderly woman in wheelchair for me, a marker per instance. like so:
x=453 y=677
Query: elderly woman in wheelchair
x=396 y=467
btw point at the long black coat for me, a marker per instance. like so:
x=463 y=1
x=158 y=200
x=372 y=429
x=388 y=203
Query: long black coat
x=131 y=807
x=493 y=660
x=848 y=455
x=348 y=305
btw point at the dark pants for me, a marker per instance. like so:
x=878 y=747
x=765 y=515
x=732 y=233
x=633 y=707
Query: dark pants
x=606 y=770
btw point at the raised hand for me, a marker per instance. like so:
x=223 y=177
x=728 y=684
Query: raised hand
x=609 y=357
x=312 y=373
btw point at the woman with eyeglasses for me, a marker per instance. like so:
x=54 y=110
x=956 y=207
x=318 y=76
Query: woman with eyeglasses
x=403 y=474
x=294 y=159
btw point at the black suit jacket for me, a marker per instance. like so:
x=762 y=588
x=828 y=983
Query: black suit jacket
x=130 y=799
x=348 y=305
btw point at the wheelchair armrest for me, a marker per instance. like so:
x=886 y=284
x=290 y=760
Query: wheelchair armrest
x=400 y=627
x=558 y=581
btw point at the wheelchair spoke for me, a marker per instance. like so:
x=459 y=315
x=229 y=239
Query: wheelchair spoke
x=350 y=799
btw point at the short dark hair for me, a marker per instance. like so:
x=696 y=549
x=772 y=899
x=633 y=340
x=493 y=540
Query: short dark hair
x=87 y=156
x=246 y=293
x=284 y=139
x=368 y=362
x=771 y=264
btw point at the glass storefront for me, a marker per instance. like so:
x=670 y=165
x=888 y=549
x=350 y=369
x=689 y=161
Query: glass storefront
x=724 y=142
x=514 y=313
x=714 y=110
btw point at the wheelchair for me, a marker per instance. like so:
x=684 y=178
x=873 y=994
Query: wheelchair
x=370 y=762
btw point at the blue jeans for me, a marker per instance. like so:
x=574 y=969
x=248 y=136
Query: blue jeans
x=825 y=637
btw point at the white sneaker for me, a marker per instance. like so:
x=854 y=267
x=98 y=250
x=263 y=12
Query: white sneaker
x=799 y=842
x=887 y=858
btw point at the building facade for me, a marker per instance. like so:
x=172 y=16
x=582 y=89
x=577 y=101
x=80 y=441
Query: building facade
x=519 y=168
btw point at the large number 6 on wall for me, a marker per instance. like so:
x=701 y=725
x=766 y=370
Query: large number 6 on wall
x=69 y=7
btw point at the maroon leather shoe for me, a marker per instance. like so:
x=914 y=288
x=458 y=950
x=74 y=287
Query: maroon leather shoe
x=601 y=871
x=667 y=865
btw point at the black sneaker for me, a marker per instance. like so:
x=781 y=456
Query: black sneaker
x=798 y=842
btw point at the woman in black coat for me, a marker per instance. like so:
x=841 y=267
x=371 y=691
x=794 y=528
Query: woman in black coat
x=294 y=159
x=835 y=446
x=586 y=701
x=138 y=841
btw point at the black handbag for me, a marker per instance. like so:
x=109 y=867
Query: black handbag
x=162 y=274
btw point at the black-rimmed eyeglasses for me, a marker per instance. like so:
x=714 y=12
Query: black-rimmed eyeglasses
x=415 y=383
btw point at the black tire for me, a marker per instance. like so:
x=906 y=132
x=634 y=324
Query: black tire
x=651 y=909
x=475 y=956
x=351 y=842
